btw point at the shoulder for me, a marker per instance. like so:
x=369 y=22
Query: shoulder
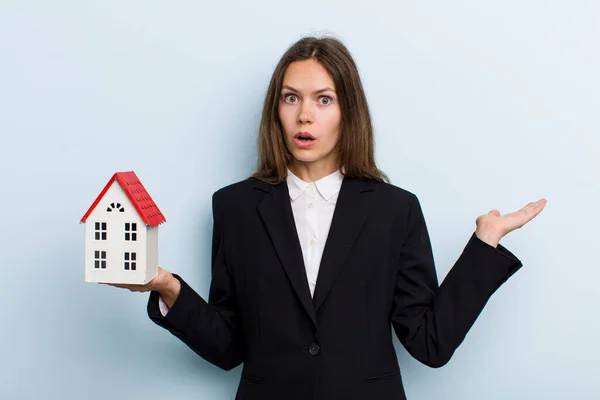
x=400 y=204
x=247 y=191
x=394 y=194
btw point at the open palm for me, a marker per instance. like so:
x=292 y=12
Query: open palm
x=495 y=225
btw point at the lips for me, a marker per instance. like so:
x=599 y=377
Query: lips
x=304 y=140
x=304 y=136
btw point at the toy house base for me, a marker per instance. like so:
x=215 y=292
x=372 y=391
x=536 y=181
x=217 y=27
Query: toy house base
x=127 y=280
x=121 y=233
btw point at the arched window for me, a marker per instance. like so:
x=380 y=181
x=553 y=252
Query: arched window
x=114 y=206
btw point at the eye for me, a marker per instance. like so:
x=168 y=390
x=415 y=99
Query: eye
x=290 y=98
x=325 y=100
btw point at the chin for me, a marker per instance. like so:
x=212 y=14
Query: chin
x=305 y=156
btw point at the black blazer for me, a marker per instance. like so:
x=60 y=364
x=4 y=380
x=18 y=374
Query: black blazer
x=377 y=272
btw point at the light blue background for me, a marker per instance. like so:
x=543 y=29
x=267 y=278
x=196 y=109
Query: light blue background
x=476 y=106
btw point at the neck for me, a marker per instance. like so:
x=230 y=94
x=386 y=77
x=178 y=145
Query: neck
x=312 y=171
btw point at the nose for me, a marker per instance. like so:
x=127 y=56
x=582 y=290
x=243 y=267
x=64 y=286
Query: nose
x=306 y=113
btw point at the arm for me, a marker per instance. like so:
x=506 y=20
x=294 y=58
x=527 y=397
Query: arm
x=431 y=321
x=211 y=329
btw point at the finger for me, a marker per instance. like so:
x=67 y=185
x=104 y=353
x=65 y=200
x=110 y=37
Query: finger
x=131 y=288
x=524 y=209
x=530 y=211
x=525 y=213
x=118 y=285
x=534 y=207
x=538 y=207
x=138 y=288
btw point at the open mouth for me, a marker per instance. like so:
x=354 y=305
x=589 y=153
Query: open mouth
x=304 y=136
x=304 y=140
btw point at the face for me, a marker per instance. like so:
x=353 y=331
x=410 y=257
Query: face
x=310 y=114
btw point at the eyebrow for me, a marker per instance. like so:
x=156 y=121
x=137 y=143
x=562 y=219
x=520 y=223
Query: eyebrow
x=325 y=89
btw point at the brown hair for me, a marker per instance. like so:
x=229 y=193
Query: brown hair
x=356 y=145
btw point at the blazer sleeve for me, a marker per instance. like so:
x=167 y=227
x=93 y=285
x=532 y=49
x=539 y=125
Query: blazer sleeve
x=211 y=329
x=431 y=321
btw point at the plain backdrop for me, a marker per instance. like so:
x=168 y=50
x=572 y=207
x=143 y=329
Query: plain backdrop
x=476 y=106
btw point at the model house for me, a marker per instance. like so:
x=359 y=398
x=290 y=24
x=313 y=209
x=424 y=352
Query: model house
x=121 y=233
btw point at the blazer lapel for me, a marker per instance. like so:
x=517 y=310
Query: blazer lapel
x=276 y=212
x=351 y=211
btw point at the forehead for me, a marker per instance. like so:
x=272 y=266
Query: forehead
x=307 y=75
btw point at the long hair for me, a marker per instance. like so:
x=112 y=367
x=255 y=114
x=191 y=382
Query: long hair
x=356 y=144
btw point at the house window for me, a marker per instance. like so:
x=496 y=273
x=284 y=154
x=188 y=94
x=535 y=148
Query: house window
x=100 y=231
x=100 y=259
x=130 y=261
x=115 y=206
x=131 y=231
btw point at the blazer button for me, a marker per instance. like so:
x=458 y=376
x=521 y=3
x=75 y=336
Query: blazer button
x=314 y=349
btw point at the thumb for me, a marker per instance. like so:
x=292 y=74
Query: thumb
x=495 y=213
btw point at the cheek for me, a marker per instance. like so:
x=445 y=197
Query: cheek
x=332 y=122
x=287 y=118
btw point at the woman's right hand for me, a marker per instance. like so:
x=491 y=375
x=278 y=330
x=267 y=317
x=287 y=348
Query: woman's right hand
x=164 y=283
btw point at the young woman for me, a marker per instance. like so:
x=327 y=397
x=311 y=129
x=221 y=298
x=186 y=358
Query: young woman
x=316 y=257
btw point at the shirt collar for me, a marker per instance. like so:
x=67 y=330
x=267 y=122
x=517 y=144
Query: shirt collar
x=328 y=186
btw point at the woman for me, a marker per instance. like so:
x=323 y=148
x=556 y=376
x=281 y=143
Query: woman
x=316 y=257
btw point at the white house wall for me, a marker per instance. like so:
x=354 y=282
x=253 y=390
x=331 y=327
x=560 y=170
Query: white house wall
x=151 y=253
x=115 y=244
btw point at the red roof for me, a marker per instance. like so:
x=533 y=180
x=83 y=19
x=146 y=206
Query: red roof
x=141 y=200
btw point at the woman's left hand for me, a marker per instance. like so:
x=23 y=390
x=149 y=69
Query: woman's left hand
x=492 y=226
